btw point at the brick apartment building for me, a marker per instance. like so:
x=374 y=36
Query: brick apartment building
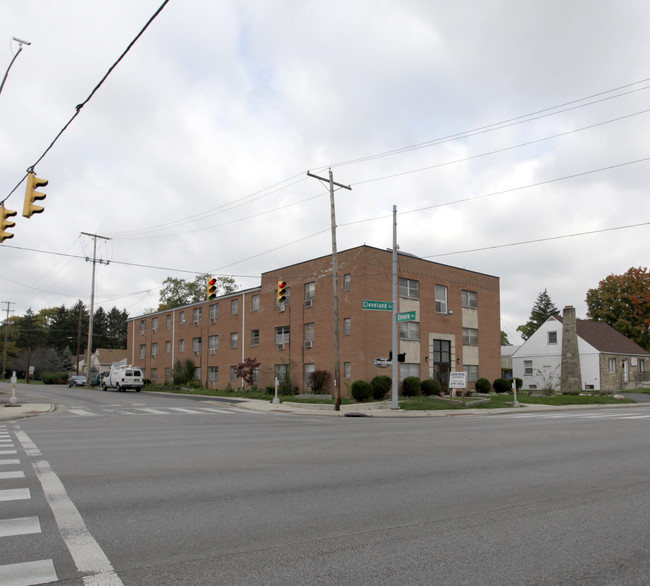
x=457 y=325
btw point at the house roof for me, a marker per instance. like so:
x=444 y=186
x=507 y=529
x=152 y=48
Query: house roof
x=605 y=338
x=109 y=355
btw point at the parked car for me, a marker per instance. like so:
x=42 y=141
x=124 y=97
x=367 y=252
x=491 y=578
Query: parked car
x=95 y=380
x=77 y=381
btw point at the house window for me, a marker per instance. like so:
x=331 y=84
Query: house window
x=470 y=299
x=213 y=342
x=409 y=289
x=347 y=326
x=255 y=337
x=198 y=314
x=309 y=369
x=234 y=339
x=409 y=370
x=181 y=317
x=143 y=351
x=168 y=320
x=281 y=372
x=154 y=349
x=154 y=323
x=154 y=374
x=441 y=299
x=234 y=307
x=310 y=332
x=168 y=347
x=196 y=344
x=347 y=370
x=471 y=372
x=282 y=335
x=233 y=373
x=409 y=330
x=213 y=374
x=197 y=373
x=552 y=337
x=143 y=326
x=528 y=367
x=214 y=311
x=181 y=345
x=168 y=374
x=347 y=282
x=470 y=337
x=255 y=302
x=310 y=291
x=641 y=365
x=612 y=365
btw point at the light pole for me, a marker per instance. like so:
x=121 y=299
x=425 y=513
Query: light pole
x=20 y=48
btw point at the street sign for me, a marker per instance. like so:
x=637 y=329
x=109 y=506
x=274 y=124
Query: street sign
x=377 y=305
x=405 y=316
x=382 y=362
x=457 y=380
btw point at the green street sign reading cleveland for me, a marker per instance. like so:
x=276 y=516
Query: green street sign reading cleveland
x=377 y=305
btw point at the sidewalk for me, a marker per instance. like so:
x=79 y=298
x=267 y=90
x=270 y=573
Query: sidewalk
x=22 y=410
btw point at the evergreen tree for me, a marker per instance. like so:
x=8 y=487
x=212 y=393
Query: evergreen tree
x=541 y=311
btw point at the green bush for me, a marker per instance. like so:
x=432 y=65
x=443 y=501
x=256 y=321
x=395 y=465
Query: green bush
x=502 y=385
x=54 y=378
x=519 y=383
x=430 y=387
x=482 y=385
x=318 y=379
x=411 y=386
x=361 y=390
x=381 y=384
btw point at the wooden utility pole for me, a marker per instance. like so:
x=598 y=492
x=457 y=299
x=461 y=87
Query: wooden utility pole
x=335 y=279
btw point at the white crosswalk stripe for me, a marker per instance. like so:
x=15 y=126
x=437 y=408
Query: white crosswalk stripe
x=32 y=571
x=608 y=414
x=137 y=410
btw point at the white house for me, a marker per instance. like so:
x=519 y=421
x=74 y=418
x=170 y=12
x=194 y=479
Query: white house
x=606 y=360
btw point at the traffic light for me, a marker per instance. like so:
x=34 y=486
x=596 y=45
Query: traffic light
x=282 y=292
x=31 y=195
x=212 y=288
x=4 y=223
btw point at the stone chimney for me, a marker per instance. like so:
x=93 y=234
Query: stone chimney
x=571 y=378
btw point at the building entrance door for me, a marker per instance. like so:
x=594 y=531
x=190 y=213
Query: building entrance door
x=442 y=362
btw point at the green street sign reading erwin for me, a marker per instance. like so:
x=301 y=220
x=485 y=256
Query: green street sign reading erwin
x=377 y=305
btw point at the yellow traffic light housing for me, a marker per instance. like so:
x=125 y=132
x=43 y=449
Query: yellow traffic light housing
x=212 y=288
x=31 y=195
x=282 y=292
x=4 y=223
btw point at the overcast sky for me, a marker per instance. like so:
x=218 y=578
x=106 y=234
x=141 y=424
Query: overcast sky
x=486 y=122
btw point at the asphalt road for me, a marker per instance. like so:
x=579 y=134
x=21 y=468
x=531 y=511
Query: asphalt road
x=173 y=490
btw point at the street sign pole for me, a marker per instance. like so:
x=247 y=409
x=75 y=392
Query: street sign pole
x=395 y=365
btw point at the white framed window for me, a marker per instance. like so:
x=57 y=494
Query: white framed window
x=347 y=282
x=309 y=368
x=181 y=317
x=470 y=299
x=409 y=330
x=197 y=314
x=409 y=288
x=143 y=326
x=552 y=337
x=154 y=374
x=213 y=374
x=409 y=369
x=233 y=373
x=168 y=347
x=347 y=326
x=282 y=335
x=255 y=302
x=528 y=367
x=214 y=311
x=154 y=323
x=310 y=291
x=441 y=299
x=197 y=373
x=168 y=320
x=281 y=371
x=310 y=332
x=154 y=349
x=612 y=365
x=213 y=342
x=470 y=337
x=168 y=374
x=234 y=340
x=143 y=351
x=255 y=337
x=181 y=345
x=196 y=344
x=471 y=372
x=347 y=370
x=234 y=307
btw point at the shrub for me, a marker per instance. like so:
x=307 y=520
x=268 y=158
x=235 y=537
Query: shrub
x=482 y=385
x=381 y=384
x=502 y=385
x=411 y=386
x=519 y=383
x=430 y=387
x=54 y=378
x=318 y=379
x=361 y=390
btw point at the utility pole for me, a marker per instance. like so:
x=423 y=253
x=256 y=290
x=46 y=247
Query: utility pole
x=4 y=354
x=92 y=300
x=394 y=333
x=335 y=279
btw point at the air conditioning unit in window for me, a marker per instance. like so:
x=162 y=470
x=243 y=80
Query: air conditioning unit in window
x=154 y=355
x=308 y=302
x=308 y=344
x=154 y=331
x=281 y=308
x=280 y=346
x=212 y=352
x=196 y=323
x=213 y=320
x=196 y=352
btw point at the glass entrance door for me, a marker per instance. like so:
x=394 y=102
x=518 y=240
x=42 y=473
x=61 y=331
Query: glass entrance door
x=442 y=362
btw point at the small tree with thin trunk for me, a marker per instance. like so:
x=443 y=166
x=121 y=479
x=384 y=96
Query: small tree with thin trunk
x=247 y=371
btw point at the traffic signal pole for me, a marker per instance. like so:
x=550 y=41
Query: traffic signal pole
x=335 y=280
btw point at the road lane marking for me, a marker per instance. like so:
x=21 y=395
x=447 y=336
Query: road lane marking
x=14 y=474
x=89 y=558
x=19 y=526
x=182 y=410
x=81 y=412
x=15 y=494
x=39 y=572
x=9 y=461
x=210 y=410
x=7 y=452
x=153 y=411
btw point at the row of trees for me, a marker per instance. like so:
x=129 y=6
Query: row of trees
x=52 y=338
x=622 y=301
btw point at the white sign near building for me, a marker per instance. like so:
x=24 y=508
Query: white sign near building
x=457 y=380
